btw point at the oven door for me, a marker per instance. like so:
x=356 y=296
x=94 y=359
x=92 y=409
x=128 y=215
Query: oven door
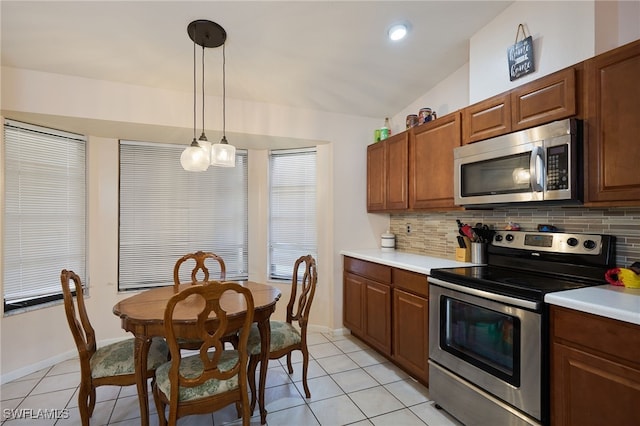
x=495 y=345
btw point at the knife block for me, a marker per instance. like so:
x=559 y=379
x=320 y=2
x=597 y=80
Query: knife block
x=464 y=254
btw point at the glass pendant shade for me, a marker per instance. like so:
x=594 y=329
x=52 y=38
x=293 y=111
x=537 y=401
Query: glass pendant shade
x=194 y=158
x=223 y=154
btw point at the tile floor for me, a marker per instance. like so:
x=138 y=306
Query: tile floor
x=350 y=385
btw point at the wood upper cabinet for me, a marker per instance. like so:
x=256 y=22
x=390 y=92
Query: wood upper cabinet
x=541 y=101
x=547 y=99
x=613 y=127
x=397 y=172
x=411 y=322
x=595 y=370
x=486 y=119
x=387 y=174
x=376 y=179
x=431 y=162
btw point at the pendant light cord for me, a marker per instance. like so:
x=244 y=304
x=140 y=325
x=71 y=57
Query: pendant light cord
x=194 y=86
x=224 y=94
x=203 y=137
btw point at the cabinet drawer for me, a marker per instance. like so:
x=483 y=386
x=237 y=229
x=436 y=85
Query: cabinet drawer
x=410 y=281
x=373 y=271
x=618 y=339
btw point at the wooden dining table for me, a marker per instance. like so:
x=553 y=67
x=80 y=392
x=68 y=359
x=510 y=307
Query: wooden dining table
x=143 y=316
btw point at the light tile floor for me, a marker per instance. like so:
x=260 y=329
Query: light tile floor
x=350 y=385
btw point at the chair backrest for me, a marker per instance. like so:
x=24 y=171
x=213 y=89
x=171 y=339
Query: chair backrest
x=207 y=298
x=83 y=333
x=199 y=258
x=300 y=305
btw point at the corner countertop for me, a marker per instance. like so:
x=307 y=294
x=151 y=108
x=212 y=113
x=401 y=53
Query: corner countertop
x=409 y=261
x=609 y=301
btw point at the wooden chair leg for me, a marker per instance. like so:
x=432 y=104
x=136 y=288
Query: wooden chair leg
x=251 y=376
x=289 y=365
x=84 y=403
x=305 y=365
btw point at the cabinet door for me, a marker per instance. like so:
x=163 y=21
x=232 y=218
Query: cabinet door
x=378 y=316
x=353 y=295
x=589 y=390
x=549 y=98
x=397 y=172
x=376 y=178
x=486 y=119
x=613 y=111
x=411 y=333
x=431 y=166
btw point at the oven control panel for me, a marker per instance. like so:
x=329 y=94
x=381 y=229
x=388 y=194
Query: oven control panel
x=555 y=242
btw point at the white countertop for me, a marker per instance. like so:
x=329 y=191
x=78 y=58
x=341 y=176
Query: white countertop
x=609 y=301
x=409 y=261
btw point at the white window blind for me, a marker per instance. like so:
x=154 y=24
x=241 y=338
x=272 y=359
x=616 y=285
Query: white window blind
x=44 y=212
x=292 y=207
x=167 y=212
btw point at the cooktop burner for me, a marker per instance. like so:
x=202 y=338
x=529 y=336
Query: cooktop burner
x=529 y=265
x=509 y=282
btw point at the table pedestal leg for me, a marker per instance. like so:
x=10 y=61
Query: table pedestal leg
x=265 y=339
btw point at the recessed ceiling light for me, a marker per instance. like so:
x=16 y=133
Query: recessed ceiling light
x=397 y=32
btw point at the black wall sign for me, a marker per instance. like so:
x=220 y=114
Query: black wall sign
x=520 y=56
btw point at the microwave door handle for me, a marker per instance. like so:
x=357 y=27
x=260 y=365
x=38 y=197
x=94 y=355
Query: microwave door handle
x=536 y=169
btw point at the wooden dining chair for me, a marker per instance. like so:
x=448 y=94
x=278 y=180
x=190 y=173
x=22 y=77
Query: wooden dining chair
x=200 y=268
x=200 y=258
x=214 y=377
x=111 y=364
x=290 y=335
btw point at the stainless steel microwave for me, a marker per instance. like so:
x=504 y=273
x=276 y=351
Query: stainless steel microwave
x=541 y=164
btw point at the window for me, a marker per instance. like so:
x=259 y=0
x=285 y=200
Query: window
x=292 y=207
x=44 y=212
x=167 y=212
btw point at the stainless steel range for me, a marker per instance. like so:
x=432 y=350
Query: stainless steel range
x=488 y=325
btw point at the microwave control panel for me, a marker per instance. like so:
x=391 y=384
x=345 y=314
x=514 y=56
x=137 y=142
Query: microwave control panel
x=558 y=167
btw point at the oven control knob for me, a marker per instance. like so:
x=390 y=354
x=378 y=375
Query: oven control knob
x=572 y=242
x=498 y=237
x=589 y=244
x=509 y=237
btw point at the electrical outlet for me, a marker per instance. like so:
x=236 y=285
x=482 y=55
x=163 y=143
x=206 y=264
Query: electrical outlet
x=408 y=228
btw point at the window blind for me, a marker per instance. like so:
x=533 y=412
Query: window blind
x=167 y=212
x=292 y=207
x=44 y=212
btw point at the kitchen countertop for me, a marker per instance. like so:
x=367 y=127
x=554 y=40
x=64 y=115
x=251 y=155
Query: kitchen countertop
x=409 y=261
x=609 y=301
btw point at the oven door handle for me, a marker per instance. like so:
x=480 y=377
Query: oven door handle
x=521 y=303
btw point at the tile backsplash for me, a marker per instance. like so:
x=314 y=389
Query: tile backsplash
x=434 y=234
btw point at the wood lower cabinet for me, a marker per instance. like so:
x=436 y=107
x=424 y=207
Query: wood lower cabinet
x=595 y=370
x=367 y=302
x=431 y=163
x=613 y=126
x=388 y=308
x=388 y=174
x=411 y=323
x=377 y=315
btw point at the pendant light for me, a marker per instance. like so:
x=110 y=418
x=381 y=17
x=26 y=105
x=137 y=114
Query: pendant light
x=223 y=154
x=195 y=158
x=199 y=154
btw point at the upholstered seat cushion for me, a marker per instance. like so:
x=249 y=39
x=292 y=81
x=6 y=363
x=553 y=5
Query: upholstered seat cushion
x=191 y=367
x=283 y=335
x=117 y=358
